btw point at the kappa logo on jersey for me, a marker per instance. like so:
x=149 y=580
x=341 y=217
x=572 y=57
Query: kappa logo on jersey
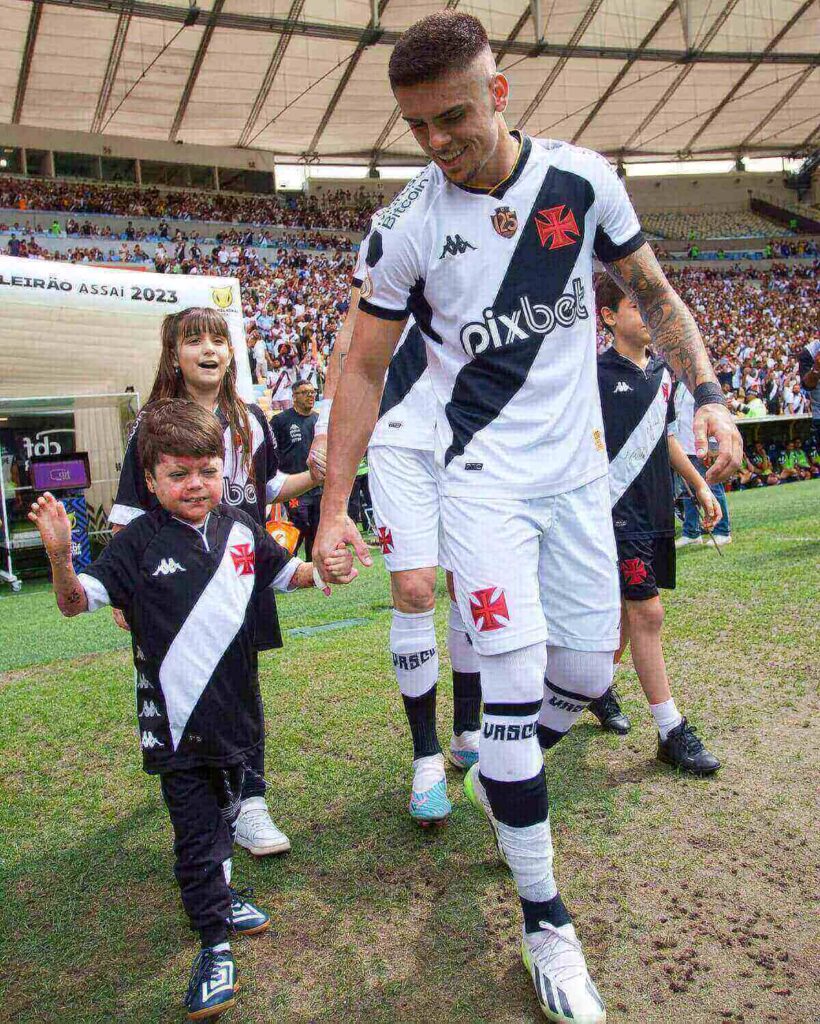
x=149 y=741
x=244 y=559
x=455 y=246
x=505 y=221
x=633 y=570
x=621 y=387
x=385 y=538
x=538 y=319
x=149 y=710
x=488 y=607
x=167 y=567
x=557 y=227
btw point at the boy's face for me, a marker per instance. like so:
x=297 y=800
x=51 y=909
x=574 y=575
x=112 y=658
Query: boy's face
x=626 y=323
x=187 y=486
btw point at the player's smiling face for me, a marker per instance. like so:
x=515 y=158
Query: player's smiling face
x=203 y=360
x=187 y=486
x=456 y=121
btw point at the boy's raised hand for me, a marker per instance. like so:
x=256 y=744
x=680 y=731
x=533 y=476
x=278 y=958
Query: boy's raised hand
x=50 y=518
x=339 y=565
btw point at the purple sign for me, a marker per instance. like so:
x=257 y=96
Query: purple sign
x=60 y=475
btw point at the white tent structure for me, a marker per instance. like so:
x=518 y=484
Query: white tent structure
x=307 y=79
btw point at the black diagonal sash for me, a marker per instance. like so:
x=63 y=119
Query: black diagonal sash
x=538 y=274
x=406 y=367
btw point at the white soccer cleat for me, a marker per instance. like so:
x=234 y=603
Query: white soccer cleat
x=555 y=960
x=722 y=538
x=429 y=803
x=685 y=541
x=463 y=752
x=477 y=795
x=255 y=830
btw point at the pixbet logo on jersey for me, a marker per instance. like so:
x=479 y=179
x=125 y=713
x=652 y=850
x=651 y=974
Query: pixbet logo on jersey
x=498 y=330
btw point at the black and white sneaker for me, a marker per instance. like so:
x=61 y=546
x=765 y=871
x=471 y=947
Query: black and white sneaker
x=684 y=749
x=555 y=960
x=212 y=987
x=607 y=709
x=247 y=919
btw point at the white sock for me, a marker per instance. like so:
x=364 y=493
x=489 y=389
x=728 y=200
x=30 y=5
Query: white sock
x=667 y=717
x=415 y=656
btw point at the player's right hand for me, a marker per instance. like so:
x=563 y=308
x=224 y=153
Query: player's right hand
x=50 y=518
x=331 y=533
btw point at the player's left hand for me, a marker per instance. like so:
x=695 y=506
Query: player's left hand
x=50 y=518
x=712 y=513
x=714 y=420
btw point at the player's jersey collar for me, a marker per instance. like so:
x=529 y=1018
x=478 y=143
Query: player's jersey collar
x=498 y=191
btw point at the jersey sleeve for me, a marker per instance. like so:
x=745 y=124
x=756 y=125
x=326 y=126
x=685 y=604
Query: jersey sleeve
x=133 y=497
x=360 y=266
x=618 y=231
x=114 y=575
x=392 y=264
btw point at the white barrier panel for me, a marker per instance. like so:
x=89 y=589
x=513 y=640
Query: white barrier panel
x=79 y=329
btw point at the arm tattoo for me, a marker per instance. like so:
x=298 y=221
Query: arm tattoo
x=673 y=330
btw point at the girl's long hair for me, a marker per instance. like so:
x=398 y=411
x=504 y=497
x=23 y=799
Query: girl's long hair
x=169 y=382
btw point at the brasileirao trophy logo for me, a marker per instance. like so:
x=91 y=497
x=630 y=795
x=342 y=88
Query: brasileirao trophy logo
x=223 y=297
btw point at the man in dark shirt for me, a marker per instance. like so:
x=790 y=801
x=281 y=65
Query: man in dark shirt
x=293 y=430
x=638 y=411
x=808 y=362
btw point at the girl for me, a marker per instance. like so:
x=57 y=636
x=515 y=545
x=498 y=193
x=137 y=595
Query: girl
x=197 y=362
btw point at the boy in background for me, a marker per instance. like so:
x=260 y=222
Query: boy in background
x=638 y=409
x=185 y=575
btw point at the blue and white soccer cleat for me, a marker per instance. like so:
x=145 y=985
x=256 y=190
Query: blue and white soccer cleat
x=213 y=984
x=477 y=796
x=556 y=963
x=429 y=803
x=246 y=919
x=463 y=752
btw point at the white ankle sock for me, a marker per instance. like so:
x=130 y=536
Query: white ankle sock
x=667 y=717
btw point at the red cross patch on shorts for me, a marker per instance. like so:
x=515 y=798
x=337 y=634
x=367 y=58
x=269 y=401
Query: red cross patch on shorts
x=633 y=570
x=488 y=606
x=244 y=559
x=385 y=538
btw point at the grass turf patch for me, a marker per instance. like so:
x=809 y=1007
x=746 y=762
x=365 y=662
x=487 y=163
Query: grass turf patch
x=690 y=895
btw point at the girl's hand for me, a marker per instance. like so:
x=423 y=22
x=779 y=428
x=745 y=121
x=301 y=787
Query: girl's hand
x=712 y=514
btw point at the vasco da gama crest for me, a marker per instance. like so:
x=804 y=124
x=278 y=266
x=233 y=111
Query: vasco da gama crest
x=505 y=221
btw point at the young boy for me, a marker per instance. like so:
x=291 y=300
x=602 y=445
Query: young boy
x=638 y=409
x=185 y=576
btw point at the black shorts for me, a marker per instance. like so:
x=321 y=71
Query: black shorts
x=646 y=564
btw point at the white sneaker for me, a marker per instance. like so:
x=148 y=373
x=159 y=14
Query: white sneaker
x=463 y=752
x=477 y=795
x=255 y=830
x=555 y=960
x=682 y=542
x=722 y=538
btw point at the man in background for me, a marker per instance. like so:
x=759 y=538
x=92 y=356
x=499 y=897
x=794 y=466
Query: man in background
x=293 y=430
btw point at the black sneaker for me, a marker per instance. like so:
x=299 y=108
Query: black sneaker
x=683 y=749
x=213 y=984
x=246 y=918
x=609 y=713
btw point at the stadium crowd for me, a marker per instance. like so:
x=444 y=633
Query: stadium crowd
x=343 y=209
x=693 y=224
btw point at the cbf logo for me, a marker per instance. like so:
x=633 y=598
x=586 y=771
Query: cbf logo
x=498 y=330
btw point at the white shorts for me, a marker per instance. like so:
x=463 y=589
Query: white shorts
x=405 y=506
x=529 y=570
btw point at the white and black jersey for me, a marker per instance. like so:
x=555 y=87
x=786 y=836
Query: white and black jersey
x=250 y=495
x=639 y=411
x=407 y=413
x=499 y=282
x=188 y=594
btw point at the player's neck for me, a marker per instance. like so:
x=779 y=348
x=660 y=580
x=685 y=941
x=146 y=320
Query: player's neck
x=501 y=163
x=637 y=354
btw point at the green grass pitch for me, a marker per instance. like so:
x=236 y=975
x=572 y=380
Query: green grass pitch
x=692 y=896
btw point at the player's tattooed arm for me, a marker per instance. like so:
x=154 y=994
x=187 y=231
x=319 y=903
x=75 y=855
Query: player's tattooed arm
x=672 y=328
x=49 y=516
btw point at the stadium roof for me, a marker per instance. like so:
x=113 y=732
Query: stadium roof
x=307 y=79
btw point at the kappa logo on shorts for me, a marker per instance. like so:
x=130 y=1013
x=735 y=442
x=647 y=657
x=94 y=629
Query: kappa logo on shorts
x=385 y=539
x=488 y=606
x=633 y=570
x=244 y=559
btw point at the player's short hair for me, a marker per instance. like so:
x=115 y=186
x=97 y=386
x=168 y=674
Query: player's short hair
x=608 y=294
x=176 y=426
x=435 y=46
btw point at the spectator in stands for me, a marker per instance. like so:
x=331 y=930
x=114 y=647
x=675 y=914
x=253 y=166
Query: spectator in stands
x=808 y=361
x=762 y=466
x=294 y=432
